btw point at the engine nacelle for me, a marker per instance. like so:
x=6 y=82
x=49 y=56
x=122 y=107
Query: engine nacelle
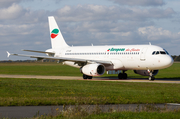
x=145 y=72
x=93 y=69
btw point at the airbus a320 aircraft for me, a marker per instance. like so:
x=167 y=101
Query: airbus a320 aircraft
x=92 y=60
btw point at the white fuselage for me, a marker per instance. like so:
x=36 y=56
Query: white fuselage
x=123 y=57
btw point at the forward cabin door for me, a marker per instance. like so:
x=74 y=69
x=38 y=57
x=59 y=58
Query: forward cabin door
x=143 y=54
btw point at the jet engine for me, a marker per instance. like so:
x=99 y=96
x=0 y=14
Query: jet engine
x=93 y=69
x=145 y=72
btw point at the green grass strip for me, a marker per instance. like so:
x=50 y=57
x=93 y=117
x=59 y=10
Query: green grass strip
x=54 y=69
x=21 y=92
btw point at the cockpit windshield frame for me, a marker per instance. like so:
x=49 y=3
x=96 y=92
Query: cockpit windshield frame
x=166 y=51
x=160 y=52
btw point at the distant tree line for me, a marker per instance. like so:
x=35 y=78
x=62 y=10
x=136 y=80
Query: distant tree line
x=176 y=58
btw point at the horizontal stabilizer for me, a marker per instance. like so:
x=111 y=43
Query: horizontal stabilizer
x=8 y=54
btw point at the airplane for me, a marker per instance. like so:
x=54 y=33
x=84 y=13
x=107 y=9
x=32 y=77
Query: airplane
x=145 y=60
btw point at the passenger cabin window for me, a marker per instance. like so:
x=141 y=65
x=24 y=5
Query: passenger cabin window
x=112 y=53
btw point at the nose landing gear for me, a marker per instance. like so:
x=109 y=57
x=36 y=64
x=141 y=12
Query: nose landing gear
x=151 y=77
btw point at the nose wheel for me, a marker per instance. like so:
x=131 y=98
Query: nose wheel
x=151 y=77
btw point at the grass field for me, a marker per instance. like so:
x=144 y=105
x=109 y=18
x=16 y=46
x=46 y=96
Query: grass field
x=21 y=92
x=39 y=68
x=55 y=69
x=24 y=92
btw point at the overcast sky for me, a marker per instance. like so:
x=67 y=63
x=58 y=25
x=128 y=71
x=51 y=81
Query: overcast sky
x=24 y=23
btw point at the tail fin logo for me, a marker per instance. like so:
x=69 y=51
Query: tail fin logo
x=54 y=33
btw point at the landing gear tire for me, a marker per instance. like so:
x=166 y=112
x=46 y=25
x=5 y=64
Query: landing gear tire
x=151 y=78
x=89 y=77
x=86 y=77
x=122 y=76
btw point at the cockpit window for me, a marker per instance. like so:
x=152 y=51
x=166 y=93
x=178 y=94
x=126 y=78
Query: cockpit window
x=153 y=52
x=162 y=52
x=157 y=52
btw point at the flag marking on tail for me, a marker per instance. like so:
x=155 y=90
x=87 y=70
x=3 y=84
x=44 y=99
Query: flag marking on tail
x=54 y=33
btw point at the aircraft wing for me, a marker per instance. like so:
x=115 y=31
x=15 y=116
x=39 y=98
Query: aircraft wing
x=63 y=58
x=39 y=51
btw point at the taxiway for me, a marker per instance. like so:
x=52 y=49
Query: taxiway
x=94 y=78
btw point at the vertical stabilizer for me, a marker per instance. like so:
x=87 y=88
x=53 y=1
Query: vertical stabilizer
x=57 y=40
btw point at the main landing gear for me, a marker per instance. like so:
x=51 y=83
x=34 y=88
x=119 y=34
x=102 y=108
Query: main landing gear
x=122 y=75
x=86 y=77
x=151 y=77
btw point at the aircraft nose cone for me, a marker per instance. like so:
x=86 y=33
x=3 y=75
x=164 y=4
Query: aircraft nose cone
x=169 y=61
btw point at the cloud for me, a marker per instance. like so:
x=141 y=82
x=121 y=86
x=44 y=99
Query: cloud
x=98 y=12
x=140 y=2
x=7 y=3
x=160 y=36
x=153 y=33
x=11 y=12
x=22 y=28
x=91 y=22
